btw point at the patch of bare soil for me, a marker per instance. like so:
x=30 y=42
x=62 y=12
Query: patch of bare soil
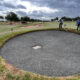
x=35 y=26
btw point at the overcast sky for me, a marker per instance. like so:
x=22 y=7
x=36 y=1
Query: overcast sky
x=42 y=9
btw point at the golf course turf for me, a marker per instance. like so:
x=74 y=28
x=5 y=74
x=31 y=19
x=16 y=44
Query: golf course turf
x=31 y=76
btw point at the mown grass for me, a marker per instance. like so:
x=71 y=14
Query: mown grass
x=8 y=74
x=4 y=27
x=3 y=23
x=2 y=67
x=69 y=24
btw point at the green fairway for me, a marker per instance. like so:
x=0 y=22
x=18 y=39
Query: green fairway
x=68 y=24
x=6 y=27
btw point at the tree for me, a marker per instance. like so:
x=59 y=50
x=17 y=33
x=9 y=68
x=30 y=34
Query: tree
x=54 y=19
x=12 y=17
x=76 y=18
x=66 y=18
x=1 y=17
x=26 y=18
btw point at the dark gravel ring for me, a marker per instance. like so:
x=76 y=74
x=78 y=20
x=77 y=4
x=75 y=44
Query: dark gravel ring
x=50 y=53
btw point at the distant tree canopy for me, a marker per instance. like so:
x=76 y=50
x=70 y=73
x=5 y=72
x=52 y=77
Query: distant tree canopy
x=55 y=19
x=37 y=20
x=26 y=18
x=76 y=18
x=12 y=17
x=1 y=17
x=66 y=18
x=70 y=19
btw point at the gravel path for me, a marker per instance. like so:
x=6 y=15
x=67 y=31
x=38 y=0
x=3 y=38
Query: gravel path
x=50 y=53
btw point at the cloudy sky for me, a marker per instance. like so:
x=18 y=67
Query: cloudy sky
x=41 y=9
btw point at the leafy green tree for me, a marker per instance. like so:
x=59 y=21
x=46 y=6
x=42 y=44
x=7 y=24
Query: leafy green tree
x=76 y=18
x=26 y=18
x=52 y=20
x=55 y=19
x=66 y=18
x=12 y=17
x=1 y=17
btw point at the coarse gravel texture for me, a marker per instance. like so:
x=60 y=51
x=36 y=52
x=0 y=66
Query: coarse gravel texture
x=58 y=55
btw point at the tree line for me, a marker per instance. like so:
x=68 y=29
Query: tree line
x=14 y=17
x=64 y=18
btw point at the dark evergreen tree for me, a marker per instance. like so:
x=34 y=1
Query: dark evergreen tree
x=12 y=17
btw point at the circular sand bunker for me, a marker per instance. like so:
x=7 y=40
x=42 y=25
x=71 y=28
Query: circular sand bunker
x=50 y=53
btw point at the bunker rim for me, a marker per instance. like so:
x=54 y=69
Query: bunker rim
x=36 y=47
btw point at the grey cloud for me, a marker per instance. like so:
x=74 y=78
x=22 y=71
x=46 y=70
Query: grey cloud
x=12 y=5
x=21 y=13
x=21 y=6
x=9 y=5
x=55 y=3
x=40 y=14
x=68 y=7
